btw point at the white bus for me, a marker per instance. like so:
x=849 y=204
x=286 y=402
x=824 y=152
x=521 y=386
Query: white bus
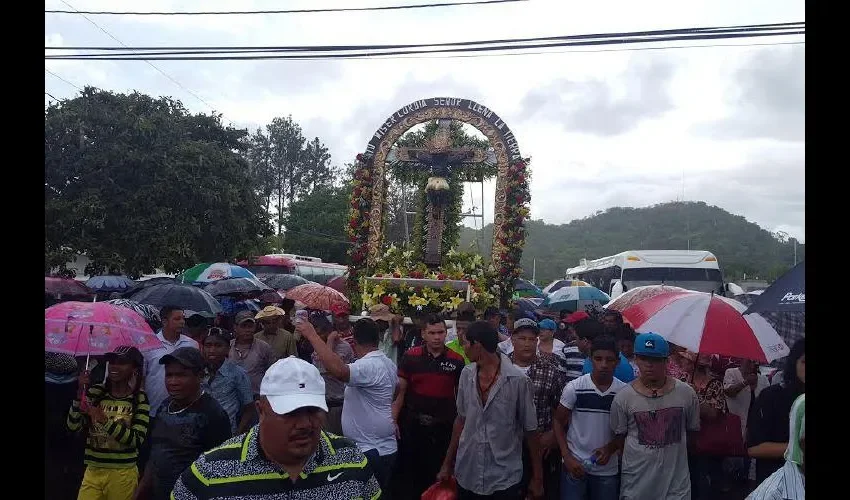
x=690 y=269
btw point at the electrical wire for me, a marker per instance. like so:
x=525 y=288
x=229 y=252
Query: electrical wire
x=452 y=51
x=327 y=237
x=50 y=95
x=64 y=80
x=335 y=48
x=163 y=73
x=289 y=11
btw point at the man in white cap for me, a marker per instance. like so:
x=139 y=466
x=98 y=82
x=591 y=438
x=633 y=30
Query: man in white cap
x=288 y=444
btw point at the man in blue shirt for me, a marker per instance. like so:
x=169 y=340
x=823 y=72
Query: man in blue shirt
x=228 y=382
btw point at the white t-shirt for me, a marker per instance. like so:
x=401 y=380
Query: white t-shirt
x=367 y=409
x=590 y=422
x=740 y=404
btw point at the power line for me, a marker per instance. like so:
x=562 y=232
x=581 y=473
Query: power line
x=163 y=73
x=449 y=51
x=289 y=11
x=320 y=48
x=64 y=80
x=50 y=95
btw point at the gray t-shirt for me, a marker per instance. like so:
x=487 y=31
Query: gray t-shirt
x=655 y=456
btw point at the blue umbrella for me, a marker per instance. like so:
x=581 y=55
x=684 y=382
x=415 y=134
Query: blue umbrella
x=575 y=298
x=106 y=284
x=787 y=294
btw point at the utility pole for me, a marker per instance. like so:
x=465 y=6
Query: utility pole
x=534 y=271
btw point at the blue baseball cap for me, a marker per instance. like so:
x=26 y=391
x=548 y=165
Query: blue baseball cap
x=651 y=345
x=547 y=324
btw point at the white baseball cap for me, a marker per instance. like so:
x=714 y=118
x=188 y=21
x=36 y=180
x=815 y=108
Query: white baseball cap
x=293 y=383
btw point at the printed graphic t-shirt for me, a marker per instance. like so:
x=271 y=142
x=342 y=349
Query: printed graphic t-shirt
x=655 y=456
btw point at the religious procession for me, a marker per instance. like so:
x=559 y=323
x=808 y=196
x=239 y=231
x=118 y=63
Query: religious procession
x=231 y=315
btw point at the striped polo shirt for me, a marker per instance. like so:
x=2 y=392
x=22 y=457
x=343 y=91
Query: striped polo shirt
x=114 y=444
x=239 y=469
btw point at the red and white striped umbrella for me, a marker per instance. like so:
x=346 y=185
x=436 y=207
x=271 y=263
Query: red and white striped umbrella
x=707 y=324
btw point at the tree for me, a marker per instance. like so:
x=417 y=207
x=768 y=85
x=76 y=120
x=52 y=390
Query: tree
x=137 y=183
x=286 y=166
x=315 y=224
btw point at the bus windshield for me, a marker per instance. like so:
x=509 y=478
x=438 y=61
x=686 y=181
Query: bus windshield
x=266 y=269
x=701 y=280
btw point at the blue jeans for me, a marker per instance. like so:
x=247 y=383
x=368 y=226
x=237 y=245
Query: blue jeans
x=590 y=487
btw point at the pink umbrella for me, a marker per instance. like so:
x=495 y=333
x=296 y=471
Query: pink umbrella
x=95 y=328
x=316 y=296
x=708 y=324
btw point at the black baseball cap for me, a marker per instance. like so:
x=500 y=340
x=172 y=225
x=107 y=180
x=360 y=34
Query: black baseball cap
x=187 y=356
x=126 y=352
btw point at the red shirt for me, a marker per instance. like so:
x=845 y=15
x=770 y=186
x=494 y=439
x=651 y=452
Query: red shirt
x=431 y=382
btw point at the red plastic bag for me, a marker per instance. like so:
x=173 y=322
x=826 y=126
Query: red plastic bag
x=443 y=490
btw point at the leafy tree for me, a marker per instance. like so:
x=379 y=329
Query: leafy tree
x=287 y=167
x=137 y=183
x=315 y=224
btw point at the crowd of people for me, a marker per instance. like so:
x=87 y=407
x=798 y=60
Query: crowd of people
x=308 y=405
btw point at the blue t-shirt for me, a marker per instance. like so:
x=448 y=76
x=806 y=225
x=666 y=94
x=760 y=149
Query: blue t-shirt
x=624 y=371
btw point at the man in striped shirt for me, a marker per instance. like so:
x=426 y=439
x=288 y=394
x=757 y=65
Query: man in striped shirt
x=575 y=352
x=287 y=455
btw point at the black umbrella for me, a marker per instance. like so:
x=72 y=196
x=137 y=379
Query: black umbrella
x=180 y=295
x=236 y=286
x=787 y=294
x=282 y=281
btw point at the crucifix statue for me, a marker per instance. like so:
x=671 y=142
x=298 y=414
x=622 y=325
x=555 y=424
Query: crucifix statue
x=440 y=159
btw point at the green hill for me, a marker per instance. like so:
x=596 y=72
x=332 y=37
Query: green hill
x=740 y=246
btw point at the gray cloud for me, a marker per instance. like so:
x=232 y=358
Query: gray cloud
x=767 y=190
x=768 y=98
x=595 y=107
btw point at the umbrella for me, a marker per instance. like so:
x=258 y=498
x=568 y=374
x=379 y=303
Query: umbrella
x=316 y=296
x=272 y=297
x=65 y=287
x=180 y=295
x=236 y=286
x=159 y=280
x=706 y=323
x=787 y=294
x=528 y=306
x=147 y=311
x=340 y=284
x=574 y=298
x=525 y=288
x=558 y=284
x=107 y=284
x=283 y=281
x=791 y=326
x=231 y=306
x=206 y=273
x=95 y=328
x=639 y=293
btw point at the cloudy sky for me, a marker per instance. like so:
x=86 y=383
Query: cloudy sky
x=724 y=125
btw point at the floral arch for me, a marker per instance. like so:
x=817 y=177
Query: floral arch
x=368 y=198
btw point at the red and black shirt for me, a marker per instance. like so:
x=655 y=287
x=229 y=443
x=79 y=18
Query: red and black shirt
x=431 y=382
